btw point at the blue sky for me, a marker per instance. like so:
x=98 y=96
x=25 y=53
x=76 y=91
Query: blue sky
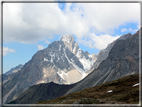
x=27 y=30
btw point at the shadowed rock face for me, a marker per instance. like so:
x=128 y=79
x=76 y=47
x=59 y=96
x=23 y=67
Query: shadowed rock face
x=122 y=60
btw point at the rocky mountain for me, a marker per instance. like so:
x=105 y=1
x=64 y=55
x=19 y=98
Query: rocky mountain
x=85 y=58
x=62 y=62
x=14 y=69
x=122 y=60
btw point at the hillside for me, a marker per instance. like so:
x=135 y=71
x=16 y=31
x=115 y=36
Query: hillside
x=41 y=92
x=121 y=91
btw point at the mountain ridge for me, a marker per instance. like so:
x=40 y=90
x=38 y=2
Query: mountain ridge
x=14 y=69
x=112 y=68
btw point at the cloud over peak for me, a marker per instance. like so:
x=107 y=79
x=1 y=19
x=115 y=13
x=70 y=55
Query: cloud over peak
x=40 y=47
x=32 y=22
x=98 y=41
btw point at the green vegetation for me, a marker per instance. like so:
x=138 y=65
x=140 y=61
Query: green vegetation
x=123 y=93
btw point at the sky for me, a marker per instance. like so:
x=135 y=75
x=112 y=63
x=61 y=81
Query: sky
x=30 y=27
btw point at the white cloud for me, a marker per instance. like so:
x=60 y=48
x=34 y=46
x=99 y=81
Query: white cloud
x=99 y=42
x=40 y=47
x=133 y=30
x=129 y=30
x=31 y=22
x=47 y=42
x=6 y=50
x=138 y=26
x=123 y=30
x=106 y=16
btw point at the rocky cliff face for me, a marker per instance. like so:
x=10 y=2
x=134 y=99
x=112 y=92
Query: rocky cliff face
x=103 y=54
x=58 y=63
x=122 y=60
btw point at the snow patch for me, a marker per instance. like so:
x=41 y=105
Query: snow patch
x=59 y=47
x=78 y=52
x=61 y=74
x=74 y=49
x=45 y=59
x=52 y=57
x=90 y=56
x=110 y=91
x=86 y=63
x=136 y=84
x=79 y=69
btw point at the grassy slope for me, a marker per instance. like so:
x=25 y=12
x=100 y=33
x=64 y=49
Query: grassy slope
x=44 y=91
x=123 y=93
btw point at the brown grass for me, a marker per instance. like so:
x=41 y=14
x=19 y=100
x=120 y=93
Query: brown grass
x=123 y=93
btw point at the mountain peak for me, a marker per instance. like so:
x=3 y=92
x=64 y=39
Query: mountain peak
x=68 y=41
x=125 y=36
x=67 y=38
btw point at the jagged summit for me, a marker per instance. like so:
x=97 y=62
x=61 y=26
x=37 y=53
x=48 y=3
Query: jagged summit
x=68 y=41
x=67 y=38
x=84 y=57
